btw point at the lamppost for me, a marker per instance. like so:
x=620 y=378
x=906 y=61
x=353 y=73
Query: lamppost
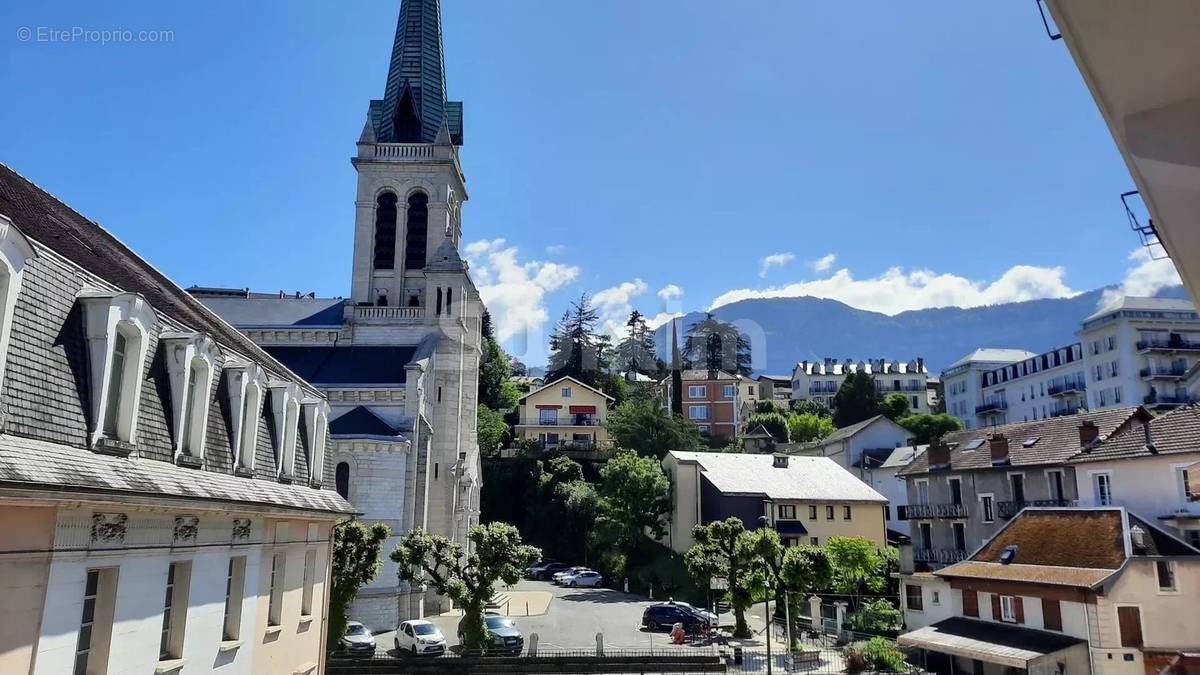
x=765 y=521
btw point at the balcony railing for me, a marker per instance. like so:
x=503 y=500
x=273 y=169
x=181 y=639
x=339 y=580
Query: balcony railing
x=885 y=387
x=939 y=555
x=1064 y=411
x=1174 y=372
x=1010 y=509
x=570 y=422
x=991 y=406
x=1160 y=400
x=919 y=511
x=369 y=312
x=1066 y=389
x=816 y=389
x=1172 y=344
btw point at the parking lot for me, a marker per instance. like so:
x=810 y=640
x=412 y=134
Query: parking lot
x=571 y=620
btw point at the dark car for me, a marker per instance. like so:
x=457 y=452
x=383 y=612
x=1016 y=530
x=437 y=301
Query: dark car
x=503 y=636
x=665 y=615
x=548 y=570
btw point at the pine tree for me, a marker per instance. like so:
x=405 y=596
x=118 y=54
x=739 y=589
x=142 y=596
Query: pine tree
x=676 y=375
x=712 y=345
x=576 y=349
x=635 y=352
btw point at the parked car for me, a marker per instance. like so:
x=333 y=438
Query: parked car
x=583 y=578
x=420 y=638
x=664 y=615
x=712 y=618
x=358 y=641
x=533 y=566
x=546 y=571
x=559 y=576
x=503 y=635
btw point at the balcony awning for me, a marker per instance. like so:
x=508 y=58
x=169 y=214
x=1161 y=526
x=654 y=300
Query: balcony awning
x=582 y=409
x=548 y=406
x=790 y=527
x=988 y=641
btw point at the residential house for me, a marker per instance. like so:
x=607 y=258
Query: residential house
x=1150 y=470
x=819 y=380
x=963 y=489
x=712 y=400
x=1057 y=591
x=807 y=499
x=775 y=388
x=880 y=474
x=564 y=413
x=876 y=437
x=166 y=496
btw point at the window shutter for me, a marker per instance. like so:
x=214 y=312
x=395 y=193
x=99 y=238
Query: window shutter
x=1019 y=609
x=1051 y=614
x=970 y=602
x=995 y=606
x=1130 y=621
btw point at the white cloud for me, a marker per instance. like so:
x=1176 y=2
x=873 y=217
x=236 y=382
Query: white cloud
x=1145 y=278
x=774 y=260
x=670 y=292
x=515 y=290
x=615 y=303
x=556 y=249
x=661 y=318
x=823 y=263
x=897 y=291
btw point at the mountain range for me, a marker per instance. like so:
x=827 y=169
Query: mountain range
x=784 y=331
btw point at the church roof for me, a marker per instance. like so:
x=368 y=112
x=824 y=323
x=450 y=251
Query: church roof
x=416 y=81
x=352 y=365
x=361 y=421
x=254 y=312
x=446 y=258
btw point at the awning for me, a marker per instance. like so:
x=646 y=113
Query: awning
x=790 y=527
x=582 y=409
x=547 y=407
x=988 y=641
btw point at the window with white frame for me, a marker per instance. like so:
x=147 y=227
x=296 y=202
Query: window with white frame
x=235 y=593
x=191 y=360
x=1181 y=479
x=316 y=422
x=15 y=252
x=547 y=415
x=118 y=328
x=1008 y=608
x=698 y=412
x=285 y=406
x=987 y=504
x=697 y=391
x=275 y=589
x=1102 y=487
x=566 y=392
x=95 y=627
x=247 y=386
x=310 y=576
x=1165 y=571
x=728 y=391
x=702 y=428
x=175 y=604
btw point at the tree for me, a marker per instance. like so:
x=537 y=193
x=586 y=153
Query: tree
x=642 y=425
x=769 y=406
x=806 y=569
x=635 y=498
x=857 y=566
x=927 y=428
x=635 y=351
x=807 y=427
x=712 y=344
x=676 y=374
x=492 y=431
x=715 y=554
x=856 y=400
x=468 y=579
x=809 y=407
x=357 y=554
x=577 y=350
x=775 y=424
x=894 y=406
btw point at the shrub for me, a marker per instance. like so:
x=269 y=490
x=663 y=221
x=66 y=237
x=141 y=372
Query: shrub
x=874 y=616
x=878 y=654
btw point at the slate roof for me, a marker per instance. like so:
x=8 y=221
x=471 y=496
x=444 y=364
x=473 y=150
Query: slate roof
x=697 y=374
x=361 y=421
x=804 y=478
x=1175 y=432
x=249 y=312
x=988 y=641
x=903 y=456
x=877 y=367
x=1135 y=303
x=1057 y=440
x=994 y=355
x=852 y=430
x=350 y=365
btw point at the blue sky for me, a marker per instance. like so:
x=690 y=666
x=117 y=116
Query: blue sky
x=891 y=155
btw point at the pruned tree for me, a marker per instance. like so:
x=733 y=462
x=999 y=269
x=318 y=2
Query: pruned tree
x=357 y=556
x=857 y=566
x=807 y=427
x=715 y=554
x=806 y=570
x=468 y=579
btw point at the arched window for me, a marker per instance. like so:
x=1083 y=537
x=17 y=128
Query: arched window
x=385 y=231
x=342 y=480
x=417 y=231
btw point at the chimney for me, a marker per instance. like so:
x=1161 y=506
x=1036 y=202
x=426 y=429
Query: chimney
x=1137 y=537
x=938 y=454
x=999 y=445
x=780 y=461
x=920 y=364
x=1149 y=437
x=1088 y=433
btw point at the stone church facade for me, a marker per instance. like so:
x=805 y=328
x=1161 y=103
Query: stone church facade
x=399 y=359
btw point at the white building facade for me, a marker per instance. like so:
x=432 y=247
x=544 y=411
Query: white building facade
x=819 y=381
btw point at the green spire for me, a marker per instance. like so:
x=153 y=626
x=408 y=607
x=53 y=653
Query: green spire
x=414 y=105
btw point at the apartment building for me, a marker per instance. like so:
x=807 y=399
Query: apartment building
x=166 y=501
x=1139 y=351
x=564 y=413
x=819 y=380
x=1060 y=591
x=712 y=400
x=963 y=489
x=806 y=499
x=775 y=388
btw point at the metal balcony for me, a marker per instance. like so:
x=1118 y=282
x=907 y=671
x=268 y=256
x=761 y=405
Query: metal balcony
x=1068 y=410
x=1173 y=344
x=1066 y=389
x=922 y=511
x=1162 y=401
x=939 y=555
x=1010 y=509
x=1172 y=373
x=991 y=406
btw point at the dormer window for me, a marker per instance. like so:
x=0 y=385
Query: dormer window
x=118 y=327
x=15 y=252
x=285 y=404
x=246 y=383
x=316 y=422
x=191 y=363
